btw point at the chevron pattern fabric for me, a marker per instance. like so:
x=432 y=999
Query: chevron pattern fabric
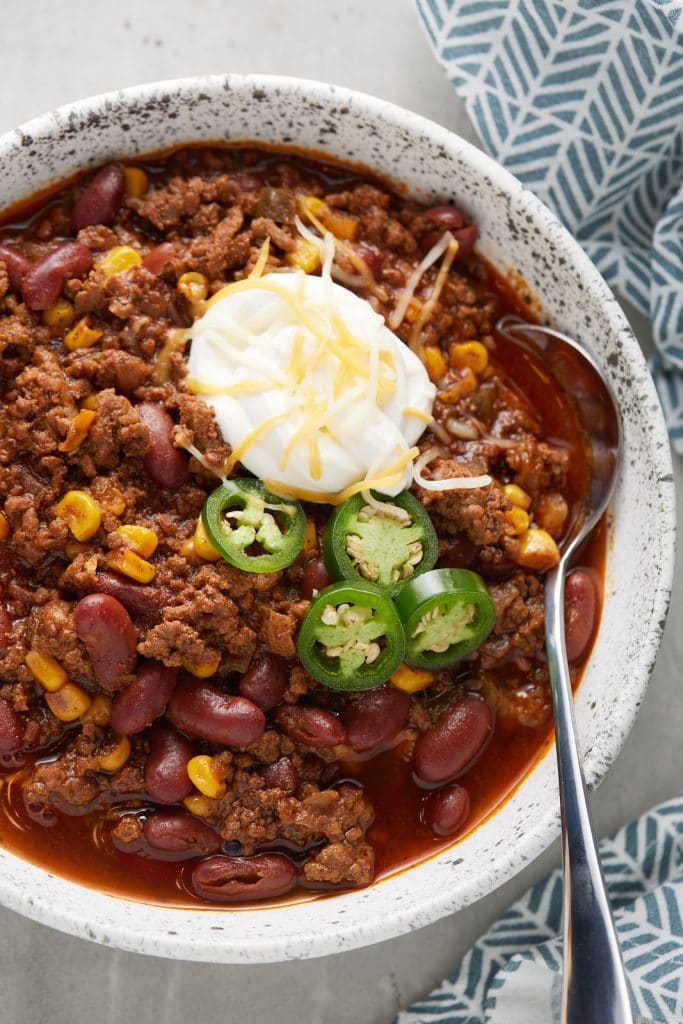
x=583 y=101
x=512 y=974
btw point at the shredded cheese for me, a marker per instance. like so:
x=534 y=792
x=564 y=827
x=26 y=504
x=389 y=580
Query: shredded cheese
x=396 y=317
x=415 y=341
x=458 y=483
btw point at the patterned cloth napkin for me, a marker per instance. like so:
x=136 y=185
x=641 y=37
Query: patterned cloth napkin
x=512 y=974
x=583 y=101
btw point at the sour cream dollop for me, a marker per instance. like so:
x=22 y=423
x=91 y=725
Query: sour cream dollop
x=312 y=391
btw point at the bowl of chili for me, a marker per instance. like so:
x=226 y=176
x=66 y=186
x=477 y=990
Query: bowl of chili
x=385 y=602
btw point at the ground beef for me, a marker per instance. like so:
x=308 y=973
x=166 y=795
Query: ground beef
x=518 y=631
x=479 y=513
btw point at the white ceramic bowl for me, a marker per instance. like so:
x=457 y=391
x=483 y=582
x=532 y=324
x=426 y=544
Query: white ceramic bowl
x=517 y=233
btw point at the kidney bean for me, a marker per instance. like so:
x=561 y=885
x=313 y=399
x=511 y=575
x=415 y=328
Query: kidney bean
x=166 y=465
x=376 y=717
x=449 y=216
x=157 y=258
x=200 y=709
x=11 y=729
x=454 y=741
x=312 y=726
x=16 y=265
x=465 y=237
x=314 y=578
x=136 y=598
x=166 y=778
x=236 y=879
x=44 y=280
x=446 y=810
x=180 y=833
x=265 y=681
x=5 y=628
x=371 y=256
x=281 y=775
x=136 y=707
x=105 y=627
x=580 y=613
x=100 y=201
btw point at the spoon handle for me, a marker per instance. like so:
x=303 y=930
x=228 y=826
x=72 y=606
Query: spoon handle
x=594 y=989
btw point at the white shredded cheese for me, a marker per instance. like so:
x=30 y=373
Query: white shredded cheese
x=456 y=483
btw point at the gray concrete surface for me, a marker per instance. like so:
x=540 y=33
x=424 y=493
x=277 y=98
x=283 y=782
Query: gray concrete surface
x=56 y=52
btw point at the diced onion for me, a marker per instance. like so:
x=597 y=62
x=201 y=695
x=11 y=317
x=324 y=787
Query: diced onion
x=457 y=483
x=462 y=429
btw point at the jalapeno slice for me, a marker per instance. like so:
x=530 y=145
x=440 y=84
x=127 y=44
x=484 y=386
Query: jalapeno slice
x=351 y=637
x=241 y=515
x=446 y=614
x=382 y=544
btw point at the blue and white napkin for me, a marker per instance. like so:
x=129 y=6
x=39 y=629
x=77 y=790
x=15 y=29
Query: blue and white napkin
x=512 y=974
x=583 y=101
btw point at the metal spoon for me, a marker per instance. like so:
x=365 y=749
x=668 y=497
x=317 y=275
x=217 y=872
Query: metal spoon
x=594 y=988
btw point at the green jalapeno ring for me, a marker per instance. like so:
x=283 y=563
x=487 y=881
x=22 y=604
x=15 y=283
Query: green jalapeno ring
x=446 y=614
x=348 y=619
x=379 y=549
x=277 y=524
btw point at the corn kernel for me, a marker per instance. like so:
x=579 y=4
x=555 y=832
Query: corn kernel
x=342 y=225
x=518 y=496
x=78 y=431
x=518 y=519
x=538 y=550
x=118 y=260
x=99 y=711
x=69 y=703
x=81 y=513
x=410 y=680
x=46 y=670
x=117 y=757
x=435 y=362
x=82 y=335
x=89 y=403
x=4 y=526
x=202 y=545
x=304 y=255
x=187 y=549
x=201 y=671
x=200 y=805
x=60 y=315
x=413 y=310
x=74 y=548
x=461 y=388
x=131 y=565
x=193 y=286
x=201 y=775
x=141 y=539
x=136 y=180
x=470 y=354
x=312 y=204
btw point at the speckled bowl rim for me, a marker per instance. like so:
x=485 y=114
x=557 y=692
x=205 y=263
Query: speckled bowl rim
x=220 y=937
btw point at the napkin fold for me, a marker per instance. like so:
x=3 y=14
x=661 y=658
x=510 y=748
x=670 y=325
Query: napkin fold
x=583 y=101
x=513 y=973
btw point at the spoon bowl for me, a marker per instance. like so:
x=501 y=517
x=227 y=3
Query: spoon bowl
x=595 y=989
